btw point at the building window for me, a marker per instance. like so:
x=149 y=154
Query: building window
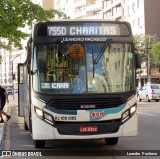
x=119 y=63
x=118 y=50
x=138 y=22
x=137 y=3
x=114 y=50
x=128 y=11
x=133 y=23
x=115 y=66
x=133 y=7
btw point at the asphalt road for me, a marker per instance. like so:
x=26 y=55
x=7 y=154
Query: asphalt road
x=16 y=138
x=148 y=129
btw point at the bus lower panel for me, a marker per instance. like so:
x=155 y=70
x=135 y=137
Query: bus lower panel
x=74 y=129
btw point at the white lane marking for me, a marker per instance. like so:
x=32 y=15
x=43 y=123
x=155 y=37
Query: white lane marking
x=146 y=114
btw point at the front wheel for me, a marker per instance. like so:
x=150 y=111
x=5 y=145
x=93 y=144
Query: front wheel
x=39 y=143
x=139 y=99
x=148 y=99
x=111 y=141
x=25 y=126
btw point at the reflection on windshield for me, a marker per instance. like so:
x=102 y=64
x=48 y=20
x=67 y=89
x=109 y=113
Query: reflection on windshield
x=70 y=68
x=115 y=70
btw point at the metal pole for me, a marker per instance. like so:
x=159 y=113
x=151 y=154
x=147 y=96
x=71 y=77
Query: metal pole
x=149 y=65
x=13 y=74
x=12 y=80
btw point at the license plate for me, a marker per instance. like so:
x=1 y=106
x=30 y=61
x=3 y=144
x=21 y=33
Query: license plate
x=88 y=128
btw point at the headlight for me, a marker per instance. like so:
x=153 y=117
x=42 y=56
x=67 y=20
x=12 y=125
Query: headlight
x=38 y=112
x=125 y=116
x=44 y=115
x=48 y=118
x=133 y=109
x=129 y=113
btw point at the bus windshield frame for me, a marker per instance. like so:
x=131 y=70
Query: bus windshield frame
x=70 y=68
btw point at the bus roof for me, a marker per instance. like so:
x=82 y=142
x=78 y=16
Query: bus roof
x=83 y=20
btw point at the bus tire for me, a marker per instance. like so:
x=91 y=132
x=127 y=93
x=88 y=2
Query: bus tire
x=111 y=141
x=30 y=123
x=25 y=126
x=39 y=143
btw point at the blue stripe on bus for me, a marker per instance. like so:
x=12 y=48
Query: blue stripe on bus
x=101 y=112
x=97 y=114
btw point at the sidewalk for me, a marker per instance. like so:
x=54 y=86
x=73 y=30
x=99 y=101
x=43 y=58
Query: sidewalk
x=1 y=134
x=2 y=125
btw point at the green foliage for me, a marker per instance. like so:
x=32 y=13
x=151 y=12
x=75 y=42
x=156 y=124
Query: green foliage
x=143 y=44
x=0 y=59
x=155 y=51
x=16 y=14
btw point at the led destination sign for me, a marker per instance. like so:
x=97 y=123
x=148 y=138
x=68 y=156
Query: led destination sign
x=55 y=85
x=96 y=29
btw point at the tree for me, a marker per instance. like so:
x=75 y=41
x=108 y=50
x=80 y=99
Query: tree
x=0 y=59
x=155 y=51
x=16 y=14
x=143 y=44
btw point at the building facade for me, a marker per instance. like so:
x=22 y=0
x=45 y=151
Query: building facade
x=141 y=14
x=8 y=67
x=5 y=67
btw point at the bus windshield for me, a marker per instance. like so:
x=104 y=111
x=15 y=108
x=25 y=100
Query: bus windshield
x=74 y=68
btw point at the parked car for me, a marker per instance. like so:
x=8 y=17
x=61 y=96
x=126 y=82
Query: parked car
x=9 y=91
x=138 y=88
x=149 y=92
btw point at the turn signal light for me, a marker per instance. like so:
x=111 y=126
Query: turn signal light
x=44 y=115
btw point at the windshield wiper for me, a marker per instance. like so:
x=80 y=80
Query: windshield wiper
x=93 y=61
x=102 y=51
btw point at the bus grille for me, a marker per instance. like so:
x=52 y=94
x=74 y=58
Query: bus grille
x=82 y=103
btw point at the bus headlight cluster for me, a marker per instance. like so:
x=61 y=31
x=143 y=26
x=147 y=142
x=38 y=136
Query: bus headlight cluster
x=129 y=113
x=38 y=112
x=44 y=115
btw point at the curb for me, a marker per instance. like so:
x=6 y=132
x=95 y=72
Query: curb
x=2 y=127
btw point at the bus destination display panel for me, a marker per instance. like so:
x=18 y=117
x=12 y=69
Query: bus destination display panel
x=88 y=29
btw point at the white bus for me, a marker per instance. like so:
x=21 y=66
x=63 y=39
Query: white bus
x=79 y=81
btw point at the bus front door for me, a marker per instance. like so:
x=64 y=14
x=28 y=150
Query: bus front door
x=21 y=90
